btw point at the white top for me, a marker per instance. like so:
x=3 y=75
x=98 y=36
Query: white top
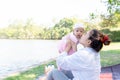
x=84 y=64
x=79 y=46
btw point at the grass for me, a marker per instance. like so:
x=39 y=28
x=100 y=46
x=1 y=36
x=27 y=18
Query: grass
x=110 y=55
x=109 y=58
x=31 y=74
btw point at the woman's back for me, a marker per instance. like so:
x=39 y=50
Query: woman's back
x=89 y=65
x=86 y=64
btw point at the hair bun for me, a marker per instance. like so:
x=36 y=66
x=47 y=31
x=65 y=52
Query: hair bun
x=105 y=40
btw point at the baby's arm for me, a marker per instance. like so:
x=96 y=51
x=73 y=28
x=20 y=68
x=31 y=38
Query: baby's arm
x=74 y=46
x=68 y=46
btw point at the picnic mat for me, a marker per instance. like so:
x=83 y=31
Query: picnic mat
x=106 y=76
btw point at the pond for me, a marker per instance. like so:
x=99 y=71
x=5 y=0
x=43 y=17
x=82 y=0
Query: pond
x=16 y=55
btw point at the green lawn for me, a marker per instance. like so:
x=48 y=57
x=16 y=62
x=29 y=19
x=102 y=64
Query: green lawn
x=30 y=74
x=110 y=55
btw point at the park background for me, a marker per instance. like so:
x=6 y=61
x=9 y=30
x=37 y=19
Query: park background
x=33 y=39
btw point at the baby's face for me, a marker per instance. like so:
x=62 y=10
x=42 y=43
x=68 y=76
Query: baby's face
x=78 y=32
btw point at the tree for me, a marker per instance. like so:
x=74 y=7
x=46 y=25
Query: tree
x=112 y=19
x=113 y=6
x=65 y=22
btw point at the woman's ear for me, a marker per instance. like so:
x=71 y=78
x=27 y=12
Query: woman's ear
x=89 y=42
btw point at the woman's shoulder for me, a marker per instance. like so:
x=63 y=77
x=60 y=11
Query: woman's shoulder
x=86 y=51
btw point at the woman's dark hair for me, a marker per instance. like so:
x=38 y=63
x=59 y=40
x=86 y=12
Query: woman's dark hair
x=98 y=39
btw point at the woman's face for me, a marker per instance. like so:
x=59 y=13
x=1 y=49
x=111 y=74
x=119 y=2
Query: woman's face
x=84 y=39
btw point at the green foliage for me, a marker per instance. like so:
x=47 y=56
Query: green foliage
x=31 y=31
x=92 y=16
x=89 y=26
x=112 y=18
x=113 y=6
x=65 y=22
x=62 y=31
x=114 y=35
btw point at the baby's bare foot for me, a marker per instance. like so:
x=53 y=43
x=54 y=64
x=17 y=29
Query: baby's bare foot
x=48 y=68
x=43 y=78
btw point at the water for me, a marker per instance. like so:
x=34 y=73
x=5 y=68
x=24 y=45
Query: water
x=16 y=55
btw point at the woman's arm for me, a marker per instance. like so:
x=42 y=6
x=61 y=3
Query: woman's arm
x=74 y=61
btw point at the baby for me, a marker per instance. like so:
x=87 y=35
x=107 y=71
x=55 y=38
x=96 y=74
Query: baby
x=65 y=43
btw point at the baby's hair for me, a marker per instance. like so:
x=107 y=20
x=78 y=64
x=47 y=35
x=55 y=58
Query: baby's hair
x=98 y=39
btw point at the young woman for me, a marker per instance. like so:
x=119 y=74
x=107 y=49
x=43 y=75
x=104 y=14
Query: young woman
x=85 y=63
